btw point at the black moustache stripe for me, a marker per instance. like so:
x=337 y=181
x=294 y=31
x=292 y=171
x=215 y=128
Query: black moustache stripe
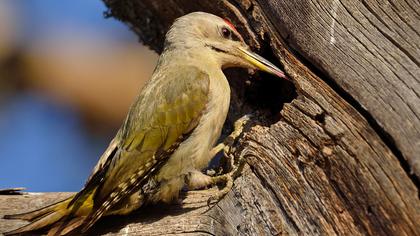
x=216 y=48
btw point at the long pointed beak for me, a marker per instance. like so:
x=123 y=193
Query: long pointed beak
x=262 y=63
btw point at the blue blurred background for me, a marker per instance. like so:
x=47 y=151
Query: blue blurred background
x=67 y=78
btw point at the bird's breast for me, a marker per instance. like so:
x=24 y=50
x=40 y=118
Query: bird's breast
x=193 y=153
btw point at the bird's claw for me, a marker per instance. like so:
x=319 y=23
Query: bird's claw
x=234 y=169
x=227 y=179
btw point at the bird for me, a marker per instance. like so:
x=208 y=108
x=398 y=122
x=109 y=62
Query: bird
x=170 y=132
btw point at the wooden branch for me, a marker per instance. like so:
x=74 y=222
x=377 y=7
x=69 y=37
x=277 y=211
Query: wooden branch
x=185 y=217
x=329 y=154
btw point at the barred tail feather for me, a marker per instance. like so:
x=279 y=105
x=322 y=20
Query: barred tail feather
x=32 y=215
x=58 y=216
x=60 y=229
x=45 y=220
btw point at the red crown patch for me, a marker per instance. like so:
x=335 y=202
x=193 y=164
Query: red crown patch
x=230 y=24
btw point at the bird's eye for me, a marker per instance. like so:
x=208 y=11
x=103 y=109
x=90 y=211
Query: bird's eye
x=226 y=33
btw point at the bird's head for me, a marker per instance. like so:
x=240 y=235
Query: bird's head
x=216 y=38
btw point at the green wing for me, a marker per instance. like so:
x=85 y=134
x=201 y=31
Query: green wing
x=165 y=112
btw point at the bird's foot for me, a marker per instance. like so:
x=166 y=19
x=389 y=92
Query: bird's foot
x=234 y=167
x=227 y=145
x=227 y=180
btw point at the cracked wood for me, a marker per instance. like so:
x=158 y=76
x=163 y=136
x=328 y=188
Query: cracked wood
x=329 y=165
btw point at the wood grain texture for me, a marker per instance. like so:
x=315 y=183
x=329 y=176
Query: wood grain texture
x=325 y=165
x=371 y=50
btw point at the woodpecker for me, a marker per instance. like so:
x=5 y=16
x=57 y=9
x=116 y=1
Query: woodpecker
x=170 y=132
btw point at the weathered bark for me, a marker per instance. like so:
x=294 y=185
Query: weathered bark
x=336 y=157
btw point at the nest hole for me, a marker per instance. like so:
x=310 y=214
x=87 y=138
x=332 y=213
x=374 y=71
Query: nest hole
x=260 y=94
x=263 y=95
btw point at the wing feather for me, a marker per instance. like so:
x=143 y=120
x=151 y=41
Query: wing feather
x=167 y=109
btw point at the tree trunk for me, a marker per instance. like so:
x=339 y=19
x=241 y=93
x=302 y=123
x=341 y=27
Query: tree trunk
x=334 y=152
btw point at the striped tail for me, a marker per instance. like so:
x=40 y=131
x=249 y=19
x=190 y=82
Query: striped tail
x=59 y=217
